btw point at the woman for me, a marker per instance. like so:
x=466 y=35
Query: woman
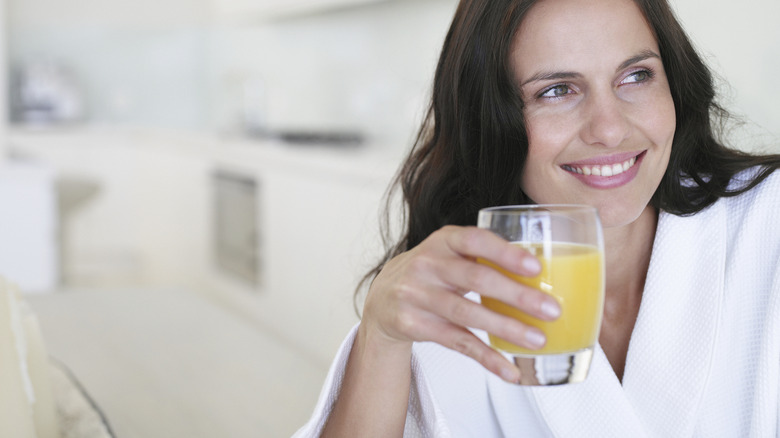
x=601 y=102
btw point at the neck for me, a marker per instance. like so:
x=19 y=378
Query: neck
x=628 y=251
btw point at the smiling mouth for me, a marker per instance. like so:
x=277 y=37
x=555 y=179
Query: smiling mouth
x=605 y=170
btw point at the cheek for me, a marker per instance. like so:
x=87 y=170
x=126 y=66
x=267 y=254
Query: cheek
x=549 y=132
x=670 y=124
x=538 y=170
x=660 y=120
x=547 y=138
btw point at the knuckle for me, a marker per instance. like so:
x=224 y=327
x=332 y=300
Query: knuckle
x=461 y=310
x=478 y=277
x=447 y=229
x=469 y=239
x=420 y=265
x=443 y=234
x=513 y=331
x=523 y=300
x=405 y=323
x=403 y=292
x=513 y=255
x=527 y=299
x=464 y=344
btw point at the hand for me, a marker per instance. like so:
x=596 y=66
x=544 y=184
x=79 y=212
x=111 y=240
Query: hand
x=419 y=296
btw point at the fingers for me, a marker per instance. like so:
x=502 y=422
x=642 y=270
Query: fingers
x=467 y=276
x=463 y=341
x=475 y=243
x=466 y=313
x=413 y=306
x=418 y=296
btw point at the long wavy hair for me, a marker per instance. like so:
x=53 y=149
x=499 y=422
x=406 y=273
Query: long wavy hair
x=472 y=145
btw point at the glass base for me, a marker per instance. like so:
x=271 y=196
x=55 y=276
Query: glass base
x=553 y=369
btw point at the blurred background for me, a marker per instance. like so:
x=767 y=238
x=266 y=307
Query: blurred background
x=223 y=162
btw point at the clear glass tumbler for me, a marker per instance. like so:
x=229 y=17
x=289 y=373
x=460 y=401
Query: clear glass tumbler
x=568 y=241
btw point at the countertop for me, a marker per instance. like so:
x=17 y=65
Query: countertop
x=372 y=161
x=168 y=363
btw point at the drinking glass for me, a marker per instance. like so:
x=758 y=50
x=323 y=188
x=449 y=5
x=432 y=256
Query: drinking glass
x=568 y=241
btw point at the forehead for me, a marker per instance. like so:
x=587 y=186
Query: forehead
x=564 y=33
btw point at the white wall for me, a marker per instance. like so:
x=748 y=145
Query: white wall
x=366 y=68
x=138 y=62
x=371 y=67
x=741 y=42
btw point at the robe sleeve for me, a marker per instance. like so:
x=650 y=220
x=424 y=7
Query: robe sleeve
x=776 y=292
x=423 y=417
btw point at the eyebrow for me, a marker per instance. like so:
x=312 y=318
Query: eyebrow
x=554 y=75
x=639 y=57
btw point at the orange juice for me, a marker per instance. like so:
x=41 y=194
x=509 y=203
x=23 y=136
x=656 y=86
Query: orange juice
x=574 y=275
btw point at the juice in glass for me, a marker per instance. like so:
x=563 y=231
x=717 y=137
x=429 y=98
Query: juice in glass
x=573 y=274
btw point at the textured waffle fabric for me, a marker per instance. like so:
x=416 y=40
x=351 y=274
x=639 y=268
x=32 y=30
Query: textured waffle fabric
x=703 y=359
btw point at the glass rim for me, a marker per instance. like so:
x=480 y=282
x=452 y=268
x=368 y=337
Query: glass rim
x=538 y=208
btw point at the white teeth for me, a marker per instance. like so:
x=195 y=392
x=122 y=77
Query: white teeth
x=606 y=170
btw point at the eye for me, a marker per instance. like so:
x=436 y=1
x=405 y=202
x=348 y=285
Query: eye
x=638 y=76
x=555 y=91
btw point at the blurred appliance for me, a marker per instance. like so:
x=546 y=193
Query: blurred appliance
x=339 y=139
x=28 y=226
x=236 y=227
x=45 y=92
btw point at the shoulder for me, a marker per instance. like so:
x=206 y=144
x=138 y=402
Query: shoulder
x=751 y=230
x=745 y=222
x=759 y=206
x=768 y=188
x=759 y=203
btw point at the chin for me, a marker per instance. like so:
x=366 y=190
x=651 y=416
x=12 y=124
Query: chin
x=618 y=216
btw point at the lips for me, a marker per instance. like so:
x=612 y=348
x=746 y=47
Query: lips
x=602 y=170
x=607 y=171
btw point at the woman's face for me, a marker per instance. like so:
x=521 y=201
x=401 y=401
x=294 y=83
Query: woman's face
x=598 y=110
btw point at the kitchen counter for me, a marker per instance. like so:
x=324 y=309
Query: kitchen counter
x=312 y=232
x=371 y=161
x=168 y=363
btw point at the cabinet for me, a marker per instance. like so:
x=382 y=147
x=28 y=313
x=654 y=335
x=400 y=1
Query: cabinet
x=176 y=211
x=258 y=10
x=28 y=226
x=145 y=224
x=236 y=225
x=318 y=234
x=3 y=81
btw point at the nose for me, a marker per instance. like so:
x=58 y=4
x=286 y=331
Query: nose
x=606 y=122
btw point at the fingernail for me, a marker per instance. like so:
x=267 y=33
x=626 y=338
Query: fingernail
x=551 y=309
x=510 y=374
x=535 y=338
x=531 y=264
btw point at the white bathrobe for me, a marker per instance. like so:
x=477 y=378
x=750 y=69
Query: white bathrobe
x=703 y=360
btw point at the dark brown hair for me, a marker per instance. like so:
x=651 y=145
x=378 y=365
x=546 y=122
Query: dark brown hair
x=472 y=144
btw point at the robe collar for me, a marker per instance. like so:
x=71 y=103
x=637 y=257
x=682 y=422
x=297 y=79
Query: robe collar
x=669 y=354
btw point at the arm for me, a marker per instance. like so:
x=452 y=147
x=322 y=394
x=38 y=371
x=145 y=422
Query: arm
x=375 y=391
x=417 y=297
